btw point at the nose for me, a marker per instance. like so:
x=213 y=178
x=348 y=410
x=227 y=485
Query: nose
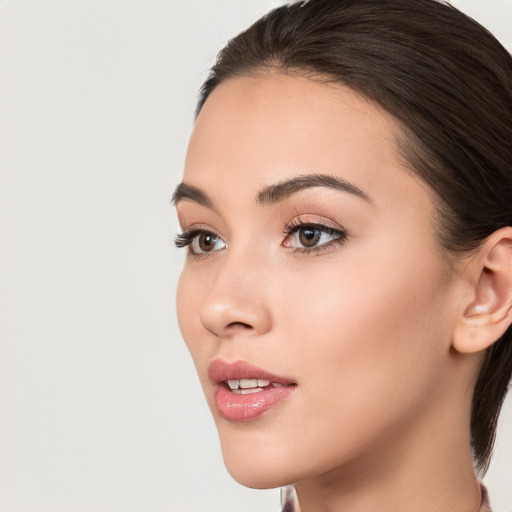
x=237 y=302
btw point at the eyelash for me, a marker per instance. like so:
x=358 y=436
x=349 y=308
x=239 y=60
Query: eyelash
x=187 y=236
x=298 y=224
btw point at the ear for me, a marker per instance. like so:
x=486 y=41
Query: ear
x=487 y=313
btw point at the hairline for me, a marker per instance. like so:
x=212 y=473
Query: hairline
x=404 y=139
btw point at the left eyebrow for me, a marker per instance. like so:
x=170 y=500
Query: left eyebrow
x=184 y=191
x=274 y=193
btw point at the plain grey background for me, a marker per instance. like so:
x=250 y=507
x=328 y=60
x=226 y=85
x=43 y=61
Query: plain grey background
x=100 y=408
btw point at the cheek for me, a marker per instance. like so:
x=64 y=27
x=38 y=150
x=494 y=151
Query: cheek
x=191 y=292
x=364 y=304
x=189 y=297
x=369 y=344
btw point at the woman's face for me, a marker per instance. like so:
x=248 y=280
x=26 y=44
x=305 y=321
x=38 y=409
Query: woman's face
x=313 y=266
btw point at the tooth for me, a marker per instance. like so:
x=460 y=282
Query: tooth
x=277 y=385
x=248 y=383
x=233 y=384
x=249 y=391
x=263 y=383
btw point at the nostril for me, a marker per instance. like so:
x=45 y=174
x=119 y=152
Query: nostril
x=239 y=324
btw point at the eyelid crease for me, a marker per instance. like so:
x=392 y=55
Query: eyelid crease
x=188 y=235
x=296 y=224
x=299 y=222
x=187 y=238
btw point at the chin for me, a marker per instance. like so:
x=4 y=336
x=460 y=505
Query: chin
x=257 y=465
x=257 y=477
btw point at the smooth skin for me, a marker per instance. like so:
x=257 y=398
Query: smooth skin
x=381 y=331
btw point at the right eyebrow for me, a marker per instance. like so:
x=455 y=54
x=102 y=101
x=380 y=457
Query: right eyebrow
x=185 y=192
x=274 y=193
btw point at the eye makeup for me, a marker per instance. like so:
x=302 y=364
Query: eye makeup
x=298 y=235
x=310 y=234
x=200 y=242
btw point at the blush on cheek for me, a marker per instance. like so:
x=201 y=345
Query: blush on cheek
x=369 y=344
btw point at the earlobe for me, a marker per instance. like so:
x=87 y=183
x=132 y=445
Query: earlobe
x=488 y=313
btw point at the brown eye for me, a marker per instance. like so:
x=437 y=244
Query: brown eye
x=313 y=237
x=204 y=242
x=309 y=236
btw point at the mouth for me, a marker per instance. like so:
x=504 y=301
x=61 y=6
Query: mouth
x=243 y=391
x=249 y=386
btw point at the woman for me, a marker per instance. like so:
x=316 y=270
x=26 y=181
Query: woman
x=347 y=293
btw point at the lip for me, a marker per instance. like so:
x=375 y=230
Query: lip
x=237 y=407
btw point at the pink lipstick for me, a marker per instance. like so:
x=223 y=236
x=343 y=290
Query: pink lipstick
x=243 y=391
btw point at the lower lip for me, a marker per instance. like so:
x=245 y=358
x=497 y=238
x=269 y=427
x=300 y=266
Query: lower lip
x=235 y=407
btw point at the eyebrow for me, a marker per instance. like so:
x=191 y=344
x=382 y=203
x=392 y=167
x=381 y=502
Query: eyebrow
x=191 y=193
x=285 y=189
x=275 y=193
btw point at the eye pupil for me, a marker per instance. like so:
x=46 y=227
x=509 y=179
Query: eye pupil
x=309 y=236
x=207 y=241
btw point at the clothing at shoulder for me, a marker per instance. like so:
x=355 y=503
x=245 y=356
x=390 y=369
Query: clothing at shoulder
x=289 y=501
x=485 y=506
x=290 y=504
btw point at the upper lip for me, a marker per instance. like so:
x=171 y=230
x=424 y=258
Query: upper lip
x=221 y=371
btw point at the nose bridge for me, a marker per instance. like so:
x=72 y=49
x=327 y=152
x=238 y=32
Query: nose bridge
x=237 y=300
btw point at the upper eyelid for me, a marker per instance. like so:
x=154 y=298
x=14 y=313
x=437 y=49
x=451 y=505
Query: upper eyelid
x=299 y=221
x=290 y=228
x=340 y=236
x=301 y=224
x=187 y=236
x=293 y=224
x=293 y=229
x=199 y=227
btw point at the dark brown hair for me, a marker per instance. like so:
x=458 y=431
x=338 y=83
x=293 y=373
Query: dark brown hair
x=448 y=83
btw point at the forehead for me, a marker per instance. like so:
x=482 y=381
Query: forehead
x=255 y=131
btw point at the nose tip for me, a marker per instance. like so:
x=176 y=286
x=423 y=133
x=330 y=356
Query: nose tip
x=228 y=320
x=236 y=307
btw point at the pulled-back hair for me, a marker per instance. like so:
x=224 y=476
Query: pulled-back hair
x=448 y=83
